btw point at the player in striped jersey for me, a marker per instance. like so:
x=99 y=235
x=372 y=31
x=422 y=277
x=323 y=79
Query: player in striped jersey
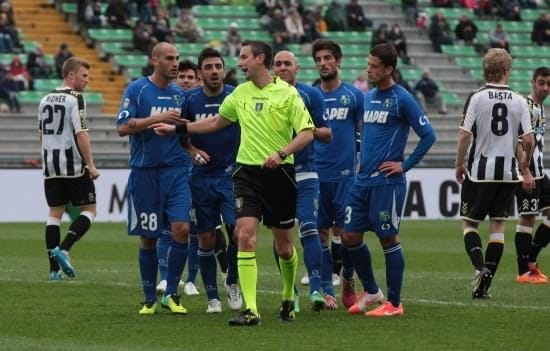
x=494 y=117
x=67 y=163
x=530 y=204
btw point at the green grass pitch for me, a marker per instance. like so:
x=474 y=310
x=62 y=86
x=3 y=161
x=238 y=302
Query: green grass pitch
x=98 y=309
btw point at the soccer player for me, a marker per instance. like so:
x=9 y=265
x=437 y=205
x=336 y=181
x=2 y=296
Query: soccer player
x=67 y=163
x=268 y=111
x=530 y=204
x=285 y=65
x=336 y=164
x=375 y=201
x=494 y=117
x=188 y=75
x=158 y=185
x=211 y=184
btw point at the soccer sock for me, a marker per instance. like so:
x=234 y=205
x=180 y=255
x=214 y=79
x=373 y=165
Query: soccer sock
x=326 y=271
x=221 y=250
x=77 y=230
x=288 y=275
x=248 y=276
x=177 y=255
x=193 y=259
x=53 y=235
x=360 y=257
x=395 y=265
x=494 y=251
x=540 y=241
x=313 y=259
x=232 y=275
x=148 y=263
x=472 y=243
x=163 y=243
x=207 y=265
x=523 y=243
x=347 y=265
x=335 y=251
x=72 y=211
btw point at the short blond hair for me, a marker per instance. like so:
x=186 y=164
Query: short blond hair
x=73 y=64
x=495 y=64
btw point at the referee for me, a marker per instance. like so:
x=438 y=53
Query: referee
x=269 y=112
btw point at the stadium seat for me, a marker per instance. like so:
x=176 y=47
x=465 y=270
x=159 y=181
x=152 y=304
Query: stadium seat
x=29 y=46
x=131 y=60
x=210 y=35
x=451 y=98
x=102 y=34
x=449 y=13
x=411 y=74
x=245 y=24
x=34 y=97
x=190 y=48
x=224 y=11
x=116 y=48
x=531 y=51
x=350 y=37
x=517 y=39
x=459 y=50
x=469 y=62
x=47 y=84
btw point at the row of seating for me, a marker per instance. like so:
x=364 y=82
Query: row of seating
x=461 y=50
x=454 y=13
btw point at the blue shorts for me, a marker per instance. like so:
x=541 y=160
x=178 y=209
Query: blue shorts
x=156 y=198
x=307 y=200
x=332 y=202
x=212 y=198
x=375 y=208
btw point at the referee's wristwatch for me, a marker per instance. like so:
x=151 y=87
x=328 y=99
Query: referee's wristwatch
x=282 y=154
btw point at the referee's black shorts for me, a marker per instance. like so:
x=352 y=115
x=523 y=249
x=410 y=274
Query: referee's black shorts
x=266 y=194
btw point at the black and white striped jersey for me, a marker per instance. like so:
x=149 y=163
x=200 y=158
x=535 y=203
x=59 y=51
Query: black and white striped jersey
x=538 y=122
x=61 y=116
x=496 y=116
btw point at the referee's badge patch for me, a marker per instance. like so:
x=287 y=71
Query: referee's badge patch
x=259 y=106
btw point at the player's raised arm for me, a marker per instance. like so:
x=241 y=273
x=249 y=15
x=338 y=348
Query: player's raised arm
x=205 y=126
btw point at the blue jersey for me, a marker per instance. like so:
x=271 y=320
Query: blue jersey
x=303 y=161
x=222 y=146
x=335 y=162
x=389 y=114
x=142 y=99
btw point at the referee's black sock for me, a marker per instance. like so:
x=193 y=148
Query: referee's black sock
x=472 y=243
x=523 y=244
x=53 y=235
x=540 y=240
x=77 y=230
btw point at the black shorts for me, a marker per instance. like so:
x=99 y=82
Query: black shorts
x=538 y=200
x=269 y=195
x=79 y=191
x=478 y=200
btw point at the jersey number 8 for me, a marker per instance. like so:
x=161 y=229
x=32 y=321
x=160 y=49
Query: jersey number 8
x=499 y=123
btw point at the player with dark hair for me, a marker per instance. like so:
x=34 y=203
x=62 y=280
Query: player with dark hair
x=494 y=118
x=268 y=111
x=530 y=204
x=188 y=75
x=336 y=165
x=159 y=198
x=67 y=163
x=375 y=201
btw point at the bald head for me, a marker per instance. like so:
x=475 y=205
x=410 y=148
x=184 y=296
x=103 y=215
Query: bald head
x=286 y=55
x=165 y=59
x=285 y=65
x=161 y=49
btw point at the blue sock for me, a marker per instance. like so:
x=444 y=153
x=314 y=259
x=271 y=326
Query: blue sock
x=177 y=255
x=313 y=260
x=395 y=265
x=232 y=274
x=207 y=264
x=148 y=264
x=163 y=243
x=326 y=271
x=360 y=256
x=193 y=259
x=347 y=264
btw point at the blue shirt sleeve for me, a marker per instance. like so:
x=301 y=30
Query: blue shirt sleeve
x=316 y=108
x=128 y=107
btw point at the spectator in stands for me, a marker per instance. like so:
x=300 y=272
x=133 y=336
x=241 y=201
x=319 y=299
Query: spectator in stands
x=336 y=17
x=397 y=38
x=398 y=78
x=93 y=16
x=410 y=9
x=8 y=89
x=310 y=26
x=361 y=83
x=380 y=35
x=19 y=73
x=439 y=32
x=8 y=35
x=266 y=8
x=510 y=10
x=427 y=91
x=142 y=10
x=63 y=54
x=320 y=23
x=498 y=38
x=5 y=7
x=187 y=27
x=117 y=14
x=356 y=17
x=295 y=27
x=161 y=28
x=231 y=77
x=143 y=38
x=37 y=65
x=148 y=69
x=442 y=3
x=466 y=30
x=484 y=8
x=233 y=40
x=277 y=29
x=541 y=30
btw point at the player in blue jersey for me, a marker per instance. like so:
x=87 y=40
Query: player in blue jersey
x=375 y=200
x=158 y=185
x=211 y=183
x=336 y=163
x=285 y=65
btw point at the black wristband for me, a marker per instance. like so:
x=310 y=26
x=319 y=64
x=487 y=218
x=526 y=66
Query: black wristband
x=181 y=129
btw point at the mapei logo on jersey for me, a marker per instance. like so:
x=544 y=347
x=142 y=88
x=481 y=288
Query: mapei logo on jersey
x=259 y=106
x=387 y=103
x=155 y=110
x=199 y=116
x=339 y=113
x=375 y=116
x=345 y=100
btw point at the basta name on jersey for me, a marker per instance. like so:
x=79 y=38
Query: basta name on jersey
x=500 y=95
x=161 y=109
x=375 y=116
x=335 y=113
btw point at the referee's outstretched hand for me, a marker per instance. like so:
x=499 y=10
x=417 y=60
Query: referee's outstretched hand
x=164 y=129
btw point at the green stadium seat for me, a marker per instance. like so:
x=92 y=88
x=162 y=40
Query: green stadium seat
x=531 y=51
x=529 y=63
x=350 y=37
x=517 y=39
x=449 y=13
x=210 y=23
x=117 y=48
x=134 y=72
x=34 y=97
x=190 y=48
x=411 y=74
x=530 y=14
x=459 y=50
x=7 y=58
x=70 y=8
x=131 y=60
x=47 y=84
x=102 y=34
x=470 y=62
x=355 y=49
x=451 y=98
x=523 y=87
x=93 y=98
x=210 y=35
x=224 y=11
x=29 y=46
x=518 y=27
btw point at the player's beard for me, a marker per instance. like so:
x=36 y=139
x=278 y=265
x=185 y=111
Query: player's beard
x=329 y=77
